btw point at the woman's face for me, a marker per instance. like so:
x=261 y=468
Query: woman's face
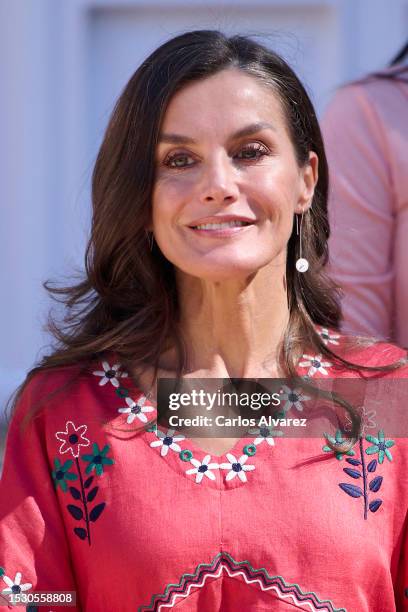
x=225 y=155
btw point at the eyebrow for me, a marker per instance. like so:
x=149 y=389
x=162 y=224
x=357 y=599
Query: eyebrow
x=246 y=131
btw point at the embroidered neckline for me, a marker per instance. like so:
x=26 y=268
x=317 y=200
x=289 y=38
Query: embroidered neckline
x=235 y=465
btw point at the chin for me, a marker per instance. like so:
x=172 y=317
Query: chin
x=220 y=273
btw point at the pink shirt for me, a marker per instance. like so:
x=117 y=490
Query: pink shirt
x=150 y=521
x=365 y=131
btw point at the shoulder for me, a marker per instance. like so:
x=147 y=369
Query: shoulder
x=352 y=117
x=80 y=401
x=60 y=393
x=41 y=388
x=350 y=98
x=372 y=353
x=369 y=100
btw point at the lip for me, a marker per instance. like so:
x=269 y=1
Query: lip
x=225 y=232
x=220 y=219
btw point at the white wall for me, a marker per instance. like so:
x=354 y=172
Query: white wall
x=62 y=66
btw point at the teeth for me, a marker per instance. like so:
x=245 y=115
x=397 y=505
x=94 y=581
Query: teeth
x=220 y=225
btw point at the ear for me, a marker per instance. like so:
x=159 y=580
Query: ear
x=309 y=174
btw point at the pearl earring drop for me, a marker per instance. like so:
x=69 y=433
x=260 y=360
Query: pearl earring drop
x=302 y=265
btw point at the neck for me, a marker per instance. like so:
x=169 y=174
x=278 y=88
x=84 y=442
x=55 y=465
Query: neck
x=234 y=328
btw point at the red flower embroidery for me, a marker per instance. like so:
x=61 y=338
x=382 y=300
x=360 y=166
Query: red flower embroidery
x=72 y=438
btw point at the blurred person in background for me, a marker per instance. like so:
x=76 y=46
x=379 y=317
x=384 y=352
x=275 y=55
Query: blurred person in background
x=365 y=130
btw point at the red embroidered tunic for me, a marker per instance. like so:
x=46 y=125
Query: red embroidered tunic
x=150 y=521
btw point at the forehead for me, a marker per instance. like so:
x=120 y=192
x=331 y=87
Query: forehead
x=223 y=101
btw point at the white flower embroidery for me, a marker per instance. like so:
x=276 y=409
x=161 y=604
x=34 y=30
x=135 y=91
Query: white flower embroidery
x=293 y=398
x=166 y=441
x=366 y=421
x=203 y=469
x=15 y=586
x=237 y=467
x=72 y=438
x=110 y=374
x=327 y=337
x=136 y=410
x=315 y=364
x=265 y=433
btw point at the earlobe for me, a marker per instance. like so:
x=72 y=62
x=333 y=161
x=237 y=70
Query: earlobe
x=303 y=207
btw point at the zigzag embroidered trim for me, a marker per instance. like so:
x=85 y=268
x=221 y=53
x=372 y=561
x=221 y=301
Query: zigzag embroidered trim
x=224 y=562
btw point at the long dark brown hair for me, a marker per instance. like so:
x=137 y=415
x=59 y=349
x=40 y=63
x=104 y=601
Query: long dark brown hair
x=127 y=301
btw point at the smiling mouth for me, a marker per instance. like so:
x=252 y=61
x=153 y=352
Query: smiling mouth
x=218 y=226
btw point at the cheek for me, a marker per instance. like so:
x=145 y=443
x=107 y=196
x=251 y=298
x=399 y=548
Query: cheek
x=175 y=184
x=169 y=194
x=276 y=192
x=282 y=178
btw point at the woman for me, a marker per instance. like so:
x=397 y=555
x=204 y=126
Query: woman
x=212 y=152
x=366 y=135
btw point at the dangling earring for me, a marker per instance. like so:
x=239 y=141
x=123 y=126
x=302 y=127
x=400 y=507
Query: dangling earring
x=150 y=239
x=302 y=265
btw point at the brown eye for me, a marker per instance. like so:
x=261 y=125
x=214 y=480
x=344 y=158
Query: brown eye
x=172 y=160
x=254 y=151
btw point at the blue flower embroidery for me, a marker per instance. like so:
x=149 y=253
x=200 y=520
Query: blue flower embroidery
x=364 y=484
x=380 y=446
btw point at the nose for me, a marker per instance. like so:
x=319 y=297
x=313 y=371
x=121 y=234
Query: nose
x=219 y=182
